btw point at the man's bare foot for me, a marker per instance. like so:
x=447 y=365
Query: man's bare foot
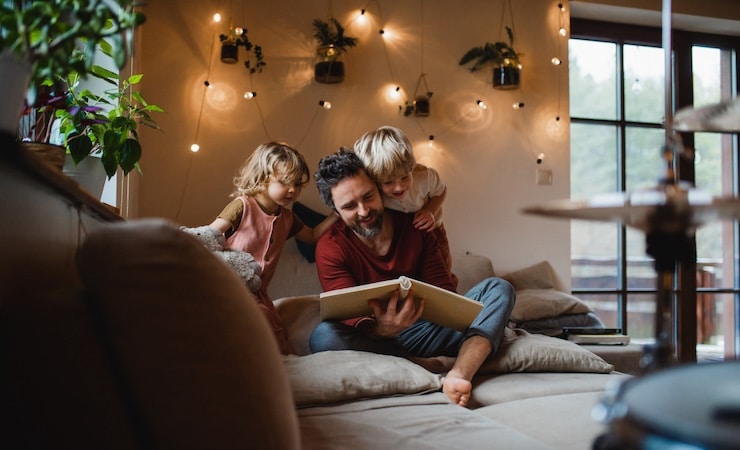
x=457 y=389
x=434 y=364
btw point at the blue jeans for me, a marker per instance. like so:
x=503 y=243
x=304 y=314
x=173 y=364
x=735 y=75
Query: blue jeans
x=425 y=339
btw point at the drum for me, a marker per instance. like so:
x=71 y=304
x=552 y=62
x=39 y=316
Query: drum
x=686 y=407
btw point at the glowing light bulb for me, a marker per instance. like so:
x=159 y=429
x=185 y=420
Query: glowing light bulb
x=217 y=17
x=562 y=31
x=481 y=104
x=561 y=7
x=249 y=94
x=194 y=148
x=540 y=157
x=518 y=105
x=325 y=105
x=555 y=61
x=238 y=31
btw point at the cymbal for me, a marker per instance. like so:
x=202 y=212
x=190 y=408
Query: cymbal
x=670 y=209
x=719 y=117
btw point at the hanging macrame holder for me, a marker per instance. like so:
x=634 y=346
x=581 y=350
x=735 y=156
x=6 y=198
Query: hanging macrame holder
x=507 y=76
x=421 y=100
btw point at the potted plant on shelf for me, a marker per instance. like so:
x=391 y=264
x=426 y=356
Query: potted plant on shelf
x=505 y=60
x=48 y=40
x=329 y=68
x=106 y=124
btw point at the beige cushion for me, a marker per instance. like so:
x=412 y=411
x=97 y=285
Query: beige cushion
x=299 y=316
x=195 y=352
x=537 y=276
x=524 y=352
x=536 y=304
x=340 y=376
x=470 y=269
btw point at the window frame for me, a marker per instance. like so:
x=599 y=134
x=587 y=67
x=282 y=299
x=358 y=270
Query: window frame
x=685 y=321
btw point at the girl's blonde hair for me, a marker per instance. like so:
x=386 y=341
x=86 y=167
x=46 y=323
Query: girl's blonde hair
x=384 y=152
x=273 y=159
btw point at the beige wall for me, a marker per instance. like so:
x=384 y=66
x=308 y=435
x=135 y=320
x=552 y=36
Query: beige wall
x=487 y=158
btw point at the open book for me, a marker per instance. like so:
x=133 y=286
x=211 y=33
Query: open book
x=441 y=306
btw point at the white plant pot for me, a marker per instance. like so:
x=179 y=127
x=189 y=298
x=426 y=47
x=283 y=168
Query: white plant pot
x=89 y=174
x=14 y=78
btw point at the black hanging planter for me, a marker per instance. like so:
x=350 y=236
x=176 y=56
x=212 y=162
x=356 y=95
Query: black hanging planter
x=328 y=69
x=229 y=52
x=422 y=106
x=506 y=77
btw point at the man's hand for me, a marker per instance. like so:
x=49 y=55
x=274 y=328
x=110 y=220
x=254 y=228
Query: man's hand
x=391 y=320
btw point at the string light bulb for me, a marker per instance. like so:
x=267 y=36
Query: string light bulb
x=518 y=105
x=249 y=94
x=563 y=32
x=325 y=104
x=481 y=104
x=556 y=61
x=217 y=17
x=194 y=148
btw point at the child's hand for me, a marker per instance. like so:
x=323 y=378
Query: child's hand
x=424 y=220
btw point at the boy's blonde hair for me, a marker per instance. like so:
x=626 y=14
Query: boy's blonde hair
x=273 y=159
x=384 y=152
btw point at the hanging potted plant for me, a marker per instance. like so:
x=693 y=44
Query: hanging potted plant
x=329 y=68
x=421 y=105
x=230 y=43
x=505 y=60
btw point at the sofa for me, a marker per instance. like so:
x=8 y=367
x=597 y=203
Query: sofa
x=131 y=334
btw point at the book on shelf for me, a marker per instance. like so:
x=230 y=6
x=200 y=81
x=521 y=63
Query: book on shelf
x=441 y=306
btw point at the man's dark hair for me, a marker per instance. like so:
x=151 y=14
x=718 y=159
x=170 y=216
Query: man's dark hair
x=333 y=169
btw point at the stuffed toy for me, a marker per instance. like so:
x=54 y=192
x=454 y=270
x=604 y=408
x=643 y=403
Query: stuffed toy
x=242 y=262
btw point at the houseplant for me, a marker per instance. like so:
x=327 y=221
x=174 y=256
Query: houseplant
x=42 y=43
x=52 y=38
x=505 y=60
x=105 y=124
x=230 y=43
x=333 y=43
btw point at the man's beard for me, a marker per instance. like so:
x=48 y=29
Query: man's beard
x=371 y=230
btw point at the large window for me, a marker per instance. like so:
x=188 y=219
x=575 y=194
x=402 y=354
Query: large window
x=617 y=108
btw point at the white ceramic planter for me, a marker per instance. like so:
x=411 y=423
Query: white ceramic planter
x=89 y=174
x=14 y=77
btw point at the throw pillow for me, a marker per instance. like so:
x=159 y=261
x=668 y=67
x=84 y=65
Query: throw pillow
x=523 y=352
x=197 y=357
x=310 y=218
x=345 y=375
x=537 y=276
x=537 y=304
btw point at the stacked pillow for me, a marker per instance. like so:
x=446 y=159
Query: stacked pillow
x=540 y=308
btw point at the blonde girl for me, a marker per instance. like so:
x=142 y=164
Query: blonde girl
x=259 y=220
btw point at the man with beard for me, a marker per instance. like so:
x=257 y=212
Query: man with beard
x=372 y=244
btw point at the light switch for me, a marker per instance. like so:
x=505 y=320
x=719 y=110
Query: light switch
x=544 y=177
